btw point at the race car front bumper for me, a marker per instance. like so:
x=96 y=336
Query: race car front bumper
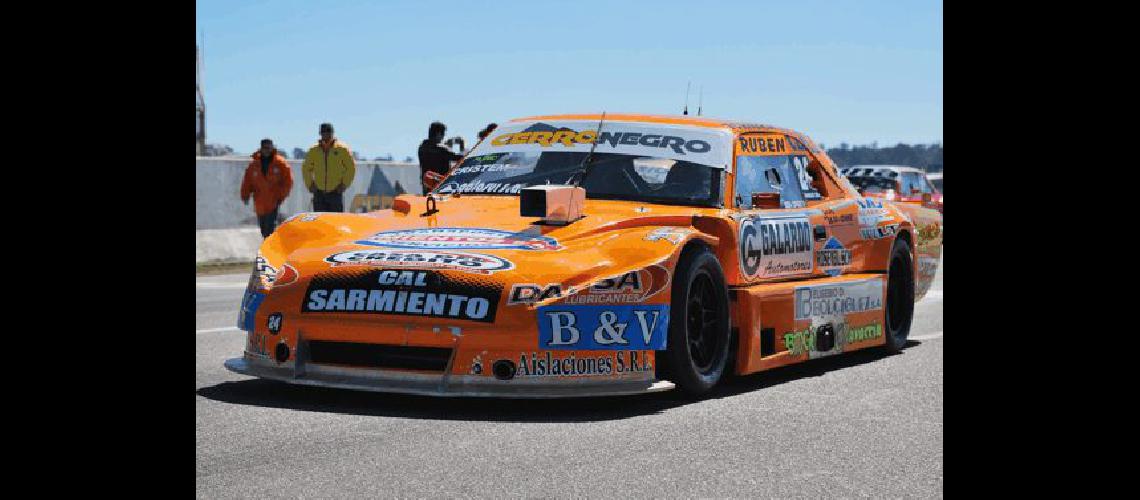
x=445 y=384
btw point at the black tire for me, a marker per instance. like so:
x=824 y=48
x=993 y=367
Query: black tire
x=697 y=349
x=899 y=309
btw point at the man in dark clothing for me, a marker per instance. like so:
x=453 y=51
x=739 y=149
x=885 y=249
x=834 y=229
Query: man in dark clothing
x=434 y=157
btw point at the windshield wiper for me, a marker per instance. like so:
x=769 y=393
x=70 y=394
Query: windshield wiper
x=586 y=162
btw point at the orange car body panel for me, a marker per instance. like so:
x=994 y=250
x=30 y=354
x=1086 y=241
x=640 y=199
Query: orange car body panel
x=620 y=252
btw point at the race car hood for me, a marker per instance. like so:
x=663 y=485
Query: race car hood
x=478 y=243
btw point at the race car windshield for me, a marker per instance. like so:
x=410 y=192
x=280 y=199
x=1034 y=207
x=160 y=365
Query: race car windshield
x=872 y=184
x=611 y=176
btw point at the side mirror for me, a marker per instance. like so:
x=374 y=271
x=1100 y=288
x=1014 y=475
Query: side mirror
x=765 y=200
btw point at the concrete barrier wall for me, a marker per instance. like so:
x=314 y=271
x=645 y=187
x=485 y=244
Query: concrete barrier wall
x=217 y=187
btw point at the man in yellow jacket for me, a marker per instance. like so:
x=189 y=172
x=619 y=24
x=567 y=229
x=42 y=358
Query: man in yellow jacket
x=328 y=170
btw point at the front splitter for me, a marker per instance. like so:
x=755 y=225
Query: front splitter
x=442 y=384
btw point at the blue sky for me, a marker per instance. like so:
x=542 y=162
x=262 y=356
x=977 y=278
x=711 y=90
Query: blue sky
x=381 y=71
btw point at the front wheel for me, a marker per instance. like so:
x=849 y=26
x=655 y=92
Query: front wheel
x=697 y=349
x=899 y=309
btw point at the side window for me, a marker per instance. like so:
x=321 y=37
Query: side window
x=801 y=165
x=912 y=182
x=768 y=174
x=926 y=187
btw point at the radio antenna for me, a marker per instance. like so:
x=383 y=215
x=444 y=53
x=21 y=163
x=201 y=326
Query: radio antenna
x=590 y=157
x=700 y=100
x=686 y=111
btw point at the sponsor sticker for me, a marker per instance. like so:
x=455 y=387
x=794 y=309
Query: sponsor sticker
x=267 y=272
x=560 y=364
x=273 y=323
x=929 y=234
x=871 y=211
x=755 y=143
x=450 y=261
x=838 y=298
x=673 y=235
x=832 y=257
x=303 y=217
x=828 y=338
x=606 y=327
x=678 y=142
x=837 y=219
x=631 y=287
x=249 y=304
x=775 y=247
x=458 y=238
x=402 y=293
x=257 y=344
x=878 y=232
x=286 y=277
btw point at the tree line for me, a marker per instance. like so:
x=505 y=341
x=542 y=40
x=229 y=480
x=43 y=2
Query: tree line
x=298 y=153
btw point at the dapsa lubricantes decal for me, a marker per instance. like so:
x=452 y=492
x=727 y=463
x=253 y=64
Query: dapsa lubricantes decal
x=403 y=293
x=631 y=287
x=448 y=261
x=459 y=238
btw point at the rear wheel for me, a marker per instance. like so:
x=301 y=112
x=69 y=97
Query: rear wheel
x=899 y=308
x=697 y=349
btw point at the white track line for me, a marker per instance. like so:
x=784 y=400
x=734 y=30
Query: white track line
x=927 y=337
x=222 y=329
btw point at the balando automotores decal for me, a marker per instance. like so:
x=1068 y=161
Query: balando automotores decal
x=772 y=248
x=426 y=259
x=402 y=293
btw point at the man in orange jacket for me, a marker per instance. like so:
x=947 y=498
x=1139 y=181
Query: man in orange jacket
x=269 y=179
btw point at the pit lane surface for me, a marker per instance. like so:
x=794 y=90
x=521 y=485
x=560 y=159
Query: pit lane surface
x=860 y=424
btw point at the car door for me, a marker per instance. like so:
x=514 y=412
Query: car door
x=776 y=242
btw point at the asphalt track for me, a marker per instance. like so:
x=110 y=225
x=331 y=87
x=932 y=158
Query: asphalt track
x=860 y=424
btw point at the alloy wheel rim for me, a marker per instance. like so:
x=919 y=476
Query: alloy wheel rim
x=702 y=319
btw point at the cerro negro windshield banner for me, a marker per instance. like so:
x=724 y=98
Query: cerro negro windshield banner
x=706 y=146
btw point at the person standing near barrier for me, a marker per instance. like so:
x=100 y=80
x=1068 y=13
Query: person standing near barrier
x=269 y=180
x=328 y=170
x=435 y=158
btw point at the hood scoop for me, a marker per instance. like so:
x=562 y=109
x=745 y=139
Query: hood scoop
x=555 y=204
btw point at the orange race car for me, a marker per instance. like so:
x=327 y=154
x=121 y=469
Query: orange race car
x=574 y=255
x=895 y=182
